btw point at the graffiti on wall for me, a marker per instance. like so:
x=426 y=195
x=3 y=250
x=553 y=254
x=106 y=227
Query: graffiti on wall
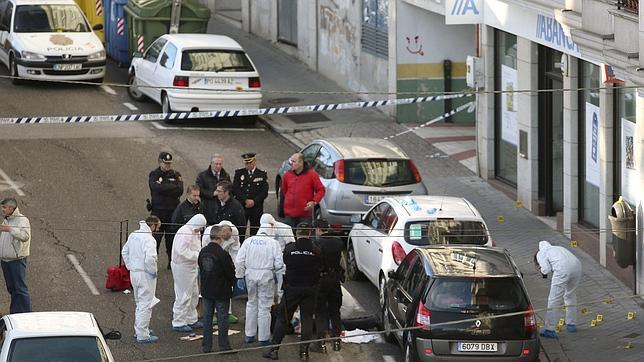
x=415 y=46
x=338 y=36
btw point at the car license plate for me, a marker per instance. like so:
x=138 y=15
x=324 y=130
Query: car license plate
x=373 y=199
x=218 y=82
x=477 y=347
x=76 y=66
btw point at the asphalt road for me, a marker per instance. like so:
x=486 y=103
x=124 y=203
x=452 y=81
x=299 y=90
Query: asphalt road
x=80 y=180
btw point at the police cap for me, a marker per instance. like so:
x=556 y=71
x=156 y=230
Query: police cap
x=165 y=157
x=248 y=157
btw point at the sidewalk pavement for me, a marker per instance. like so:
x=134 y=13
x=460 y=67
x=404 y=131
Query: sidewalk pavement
x=615 y=338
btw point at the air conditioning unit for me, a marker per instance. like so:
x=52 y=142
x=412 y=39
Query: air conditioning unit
x=474 y=75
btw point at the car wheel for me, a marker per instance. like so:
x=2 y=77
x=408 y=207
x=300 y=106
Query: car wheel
x=133 y=90
x=353 y=273
x=385 y=321
x=165 y=104
x=410 y=353
x=13 y=68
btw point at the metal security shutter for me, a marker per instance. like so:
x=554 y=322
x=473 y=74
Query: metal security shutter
x=374 y=41
x=287 y=21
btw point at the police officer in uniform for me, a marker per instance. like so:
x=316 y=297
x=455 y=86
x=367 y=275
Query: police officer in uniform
x=166 y=186
x=329 y=296
x=303 y=261
x=250 y=186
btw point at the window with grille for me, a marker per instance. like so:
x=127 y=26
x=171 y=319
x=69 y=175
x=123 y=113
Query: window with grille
x=375 y=27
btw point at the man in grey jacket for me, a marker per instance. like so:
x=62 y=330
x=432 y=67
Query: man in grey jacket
x=15 y=237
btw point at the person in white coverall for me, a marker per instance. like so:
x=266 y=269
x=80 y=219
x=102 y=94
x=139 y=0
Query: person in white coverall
x=280 y=231
x=230 y=244
x=259 y=260
x=140 y=257
x=566 y=274
x=185 y=254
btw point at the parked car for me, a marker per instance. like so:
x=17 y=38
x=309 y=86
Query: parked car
x=54 y=336
x=437 y=285
x=49 y=40
x=379 y=241
x=195 y=72
x=357 y=173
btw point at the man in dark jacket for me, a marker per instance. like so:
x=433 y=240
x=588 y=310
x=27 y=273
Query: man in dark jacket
x=302 y=260
x=190 y=207
x=166 y=186
x=302 y=190
x=329 y=296
x=225 y=207
x=217 y=275
x=208 y=179
x=250 y=186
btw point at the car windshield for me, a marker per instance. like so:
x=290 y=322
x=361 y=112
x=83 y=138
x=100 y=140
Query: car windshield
x=474 y=295
x=378 y=173
x=49 y=19
x=446 y=231
x=216 y=61
x=69 y=349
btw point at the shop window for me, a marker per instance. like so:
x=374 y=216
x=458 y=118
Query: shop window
x=589 y=124
x=625 y=176
x=506 y=107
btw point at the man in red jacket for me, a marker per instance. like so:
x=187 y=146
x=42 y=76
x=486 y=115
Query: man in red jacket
x=302 y=191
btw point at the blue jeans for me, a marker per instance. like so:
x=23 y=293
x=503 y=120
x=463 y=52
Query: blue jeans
x=221 y=306
x=15 y=277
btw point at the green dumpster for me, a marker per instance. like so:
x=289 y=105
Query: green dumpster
x=149 y=19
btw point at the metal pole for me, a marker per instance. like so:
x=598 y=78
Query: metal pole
x=175 y=17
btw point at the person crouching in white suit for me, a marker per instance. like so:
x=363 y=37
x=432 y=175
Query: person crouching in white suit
x=185 y=254
x=566 y=274
x=140 y=257
x=259 y=260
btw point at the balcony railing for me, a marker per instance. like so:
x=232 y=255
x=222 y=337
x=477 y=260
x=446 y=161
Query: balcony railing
x=632 y=6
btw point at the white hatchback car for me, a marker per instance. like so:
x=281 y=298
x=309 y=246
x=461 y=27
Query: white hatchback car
x=54 y=336
x=49 y=40
x=381 y=239
x=195 y=72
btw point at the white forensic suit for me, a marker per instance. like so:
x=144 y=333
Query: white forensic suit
x=231 y=246
x=259 y=259
x=185 y=253
x=140 y=257
x=280 y=231
x=566 y=274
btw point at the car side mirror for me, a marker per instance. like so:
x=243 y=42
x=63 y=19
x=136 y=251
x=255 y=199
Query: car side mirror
x=392 y=274
x=97 y=27
x=137 y=54
x=356 y=218
x=115 y=335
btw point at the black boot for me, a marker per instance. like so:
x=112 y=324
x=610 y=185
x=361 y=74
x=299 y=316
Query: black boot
x=271 y=354
x=304 y=352
x=318 y=347
x=336 y=345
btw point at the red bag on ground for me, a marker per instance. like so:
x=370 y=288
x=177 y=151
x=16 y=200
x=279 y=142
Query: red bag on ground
x=118 y=278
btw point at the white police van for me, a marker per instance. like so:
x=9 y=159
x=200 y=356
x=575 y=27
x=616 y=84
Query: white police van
x=49 y=40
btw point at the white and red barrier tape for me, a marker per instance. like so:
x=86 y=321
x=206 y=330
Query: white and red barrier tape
x=232 y=113
x=140 y=44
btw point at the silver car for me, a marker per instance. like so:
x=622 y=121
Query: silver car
x=357 y=173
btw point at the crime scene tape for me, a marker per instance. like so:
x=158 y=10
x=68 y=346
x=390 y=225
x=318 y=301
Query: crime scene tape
x=471 y=106
x=230 y=113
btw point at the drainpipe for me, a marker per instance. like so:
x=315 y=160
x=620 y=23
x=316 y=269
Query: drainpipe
x=317 y=35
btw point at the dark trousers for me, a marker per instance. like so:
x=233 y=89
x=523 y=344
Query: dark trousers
x=294 y=297
x=253 y=216
x=294 y=221
x=221 y=307
x=327 y=309
x=166 y=230
x=15 y=277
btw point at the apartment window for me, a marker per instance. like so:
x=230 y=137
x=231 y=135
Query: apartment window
x=506 y=107
x=375 y=27
x=589 y=123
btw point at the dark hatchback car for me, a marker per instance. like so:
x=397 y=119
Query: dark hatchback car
x=439 y=284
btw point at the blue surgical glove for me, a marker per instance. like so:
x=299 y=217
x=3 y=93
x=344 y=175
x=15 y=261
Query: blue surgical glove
x=241 y=284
